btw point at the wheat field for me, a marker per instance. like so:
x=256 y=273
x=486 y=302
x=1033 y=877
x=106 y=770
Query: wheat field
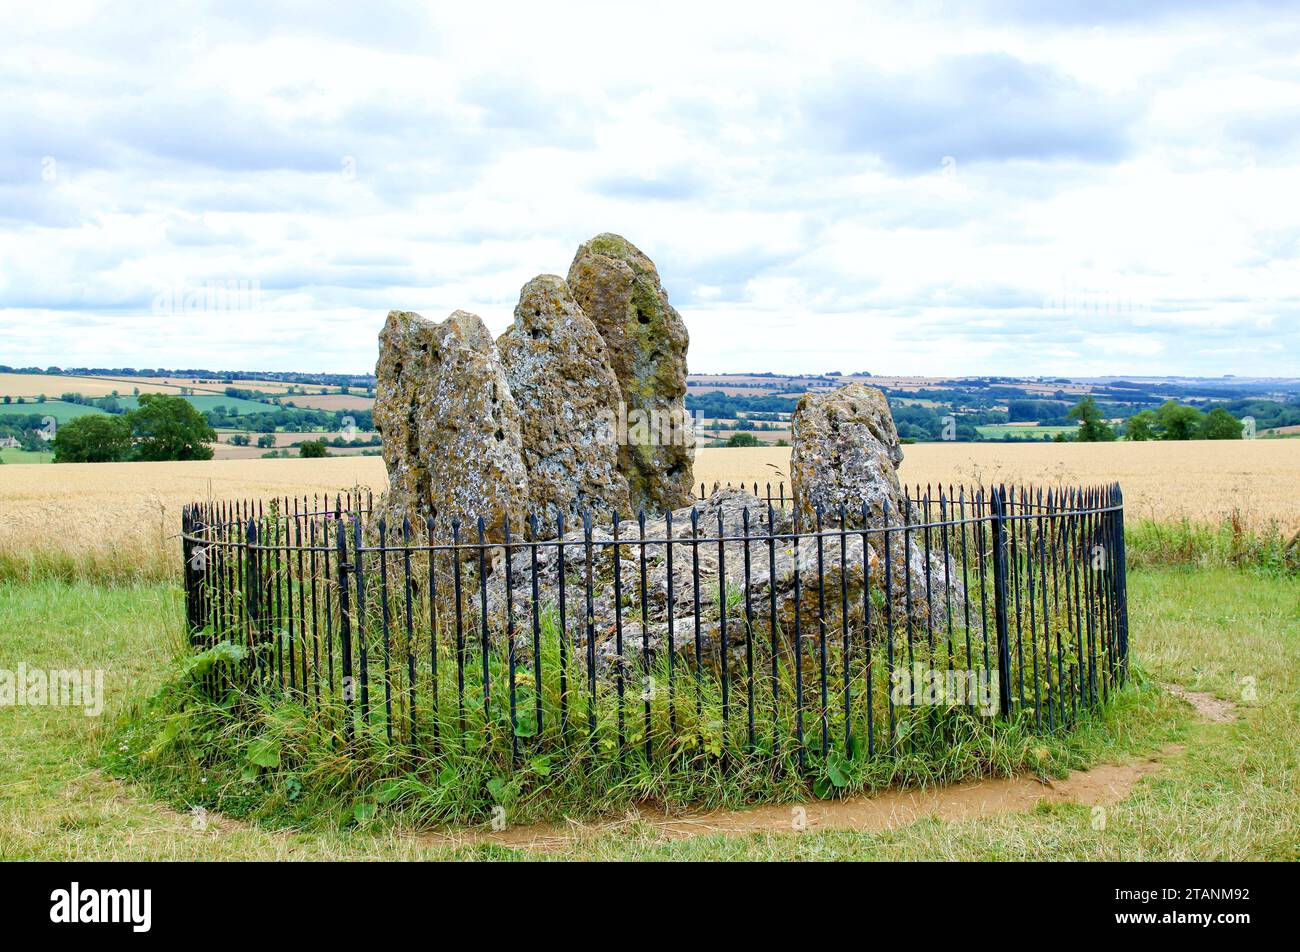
x=52 y=386
x=126 y=515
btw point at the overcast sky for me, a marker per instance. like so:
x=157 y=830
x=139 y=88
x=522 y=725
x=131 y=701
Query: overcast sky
x=940 y=189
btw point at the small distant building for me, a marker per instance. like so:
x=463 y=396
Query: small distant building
x=9 y=443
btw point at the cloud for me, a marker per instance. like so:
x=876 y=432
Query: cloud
x=994 y=189
x=988 y=107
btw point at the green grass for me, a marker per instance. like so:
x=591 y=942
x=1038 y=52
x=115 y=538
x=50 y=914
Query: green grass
x=204 y=402
x=1229 y=543
x=25 y=456
x=1231 y=793
x=995 y=431
x=62 y=412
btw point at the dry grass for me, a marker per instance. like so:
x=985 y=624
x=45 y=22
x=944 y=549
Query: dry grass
x=1204 y=482
x=115 y=519
x=224 y=450
x=330 y=401
x=53 y=385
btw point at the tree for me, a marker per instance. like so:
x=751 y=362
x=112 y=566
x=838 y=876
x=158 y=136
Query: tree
x=266 y=440
x=1219 y=424
x=170 y=428
x=239 y=439
x=1141 y=427
x=1177 y=422
x=743 y=439
x=1092 y=427
x=93 y=438
x=312 y=449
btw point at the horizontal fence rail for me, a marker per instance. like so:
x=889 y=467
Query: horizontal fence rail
x=739 y=628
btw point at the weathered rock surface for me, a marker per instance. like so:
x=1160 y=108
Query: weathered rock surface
x=777 y=566
x=557 y=366
x=450 y=427
x=618 y=288
x=845 y=451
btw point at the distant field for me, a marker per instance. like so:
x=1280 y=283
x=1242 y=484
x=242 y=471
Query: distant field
x=225 y=451
x=293 y=436
x=66 y=411
x=700 y=390
x=24 y=456
x=127 y=513
x=207 y=401
x=62 y=412
x=1001 y=431
x=54 y=385
x=1201 y=481
x=332 y=401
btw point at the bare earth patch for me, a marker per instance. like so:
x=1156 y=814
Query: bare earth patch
x=1103 y=785
x=1207 y=705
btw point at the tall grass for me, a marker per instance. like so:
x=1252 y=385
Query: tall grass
x=1229 y=543
x=219 y=738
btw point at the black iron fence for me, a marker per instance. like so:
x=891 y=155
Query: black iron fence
x=739 y=627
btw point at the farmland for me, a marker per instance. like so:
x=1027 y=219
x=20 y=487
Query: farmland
x=61 y=411
x=1021 y=432
x=330 y=401
x=121 y=517
x=10 y=455
x=52 y=385
x=1196 y=629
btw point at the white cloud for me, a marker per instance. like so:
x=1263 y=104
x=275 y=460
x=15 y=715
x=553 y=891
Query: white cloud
x=954 y=191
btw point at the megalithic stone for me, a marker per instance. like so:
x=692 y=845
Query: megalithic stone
x=451 y=430
x=845 y=450
x=557 y=365
x=618 y=288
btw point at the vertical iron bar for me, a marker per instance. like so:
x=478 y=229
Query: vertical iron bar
x=999 y=506
x=385 y=622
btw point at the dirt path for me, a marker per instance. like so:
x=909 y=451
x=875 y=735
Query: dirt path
x=1207 y=705
x=1103 y=785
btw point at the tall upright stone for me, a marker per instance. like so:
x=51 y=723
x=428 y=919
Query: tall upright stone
x=450 y=427
x=618 y=288
x=845 y=450
x=557 y=365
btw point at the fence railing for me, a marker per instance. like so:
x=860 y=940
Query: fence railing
x=738 y=629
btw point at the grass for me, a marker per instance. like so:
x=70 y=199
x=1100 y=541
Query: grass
x=1229 y=795
x=192 y=746
x=1230 y=543
x=1000 y=431
x=9 y=455
x=62 y=412
x=208 y=401
x=117 y=521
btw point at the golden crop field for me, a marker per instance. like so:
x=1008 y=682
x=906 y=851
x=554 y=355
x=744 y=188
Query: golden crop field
x=129 y=513
x=1199 y=481
x=330 y=401
x=53 y=385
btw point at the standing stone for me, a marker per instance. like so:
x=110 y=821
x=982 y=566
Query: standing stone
x=558 y=369
x=450 y=428
x=845 y=449
x=618 y=288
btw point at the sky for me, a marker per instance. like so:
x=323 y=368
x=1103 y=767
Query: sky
x=928 y=188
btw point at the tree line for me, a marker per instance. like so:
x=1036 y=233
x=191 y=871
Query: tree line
x=1171 y=421
x=160 y=428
